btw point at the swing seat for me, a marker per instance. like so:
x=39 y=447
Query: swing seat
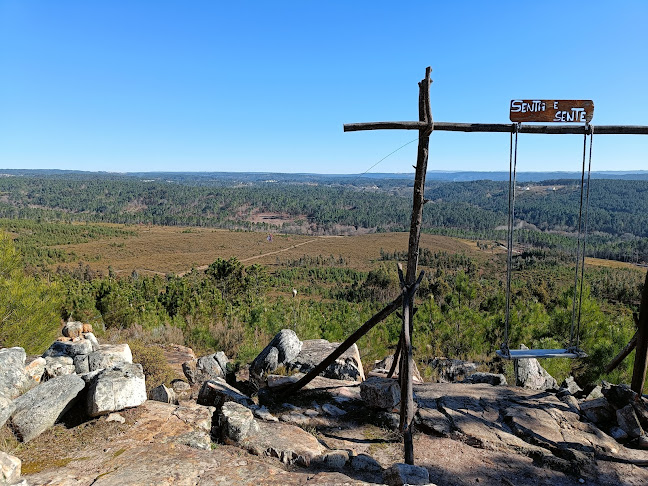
x=542 y=353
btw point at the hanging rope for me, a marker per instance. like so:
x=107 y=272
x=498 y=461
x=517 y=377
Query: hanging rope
x=511 y=224
x=580 y=244
x=589 y=173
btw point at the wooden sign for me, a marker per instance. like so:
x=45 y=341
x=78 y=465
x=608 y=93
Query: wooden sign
x=561 y=111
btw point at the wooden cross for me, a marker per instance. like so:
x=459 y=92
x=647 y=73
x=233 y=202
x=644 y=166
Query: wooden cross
x=409 y=282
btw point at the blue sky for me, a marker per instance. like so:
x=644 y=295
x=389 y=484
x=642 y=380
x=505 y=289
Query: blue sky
x=266 y=86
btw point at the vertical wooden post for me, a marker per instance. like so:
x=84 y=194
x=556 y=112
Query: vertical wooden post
x=641 y=353
x=409 y=283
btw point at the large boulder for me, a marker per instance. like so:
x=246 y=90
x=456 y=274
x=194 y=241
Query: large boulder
x=450 y=370
x=495 y=379
x=109 y=355
x=116 y=388
x=215 y=393
x=206 y=368
x=12 y=371
x=313 y=351
x=529 y=374
x=382 y=367
x=381 y=393
x=42 y=406
x=235 y=422
x=283 y=349
x=163 y=394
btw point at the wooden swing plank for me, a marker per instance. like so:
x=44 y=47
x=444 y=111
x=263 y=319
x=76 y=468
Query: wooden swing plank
x=540 y=353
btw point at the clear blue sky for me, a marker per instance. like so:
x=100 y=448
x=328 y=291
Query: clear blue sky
x=266 y=86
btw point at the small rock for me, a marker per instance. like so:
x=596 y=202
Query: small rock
x=93 y=340
x=163 y=394
x=335 y=459
x=332 y=410
x=235 y=422
x=9 y=468
x=365 y=463
x=570 y=384
x=489 y=378
x=86 y=329
x=58 y=366
x=380 y=392
x=401 y=474
x=35 y=369
x=598 y=410
x=264 y=414
x=81 y=365
x=180 y=386
x=115 y=417
x=12 y=371
x=72 y=329
x=618 y=433
x=110 y=355
x=597 y=392
x=628 y=421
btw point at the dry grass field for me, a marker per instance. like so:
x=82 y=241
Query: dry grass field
x=163 y=249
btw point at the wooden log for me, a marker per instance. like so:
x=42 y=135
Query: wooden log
x=641 y=355
x=618 y=359
x=339 y=351
x=499 y=127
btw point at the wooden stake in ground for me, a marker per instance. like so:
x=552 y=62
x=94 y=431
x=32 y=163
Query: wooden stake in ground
x=641 y=355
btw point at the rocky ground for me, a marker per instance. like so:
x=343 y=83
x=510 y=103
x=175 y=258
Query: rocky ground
x=337 y=430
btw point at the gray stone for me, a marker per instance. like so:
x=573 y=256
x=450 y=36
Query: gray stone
x=197 y=439
x=115 y=417
x=81 y=365
x=431 y=419
x=35 y=369
x=12 y=371
x=180 y=386
x=571 y=401
x=236 y=421
x=68 y=348
x=42 y=406
x=263 y=413
x=72 y=329
x=9 y=468
x=163 y=394
x=335 y=459
x=380 y=392
x=628 y=421
x=598 y=410
x=365 y=463
x=93 y=340
x=620 y=395
x=116 y=388
x=332 y=410
x=597 y=392
x=381 y=368
x=488 y=378
x=450 y=370
x=215 y=393
x=7 y=407
x=570 y=384
x=289 y=443
x=283 y=348
x=222 y=361
x=109 y=355
x=618 y=433
x=58 y=366
x=529 y=374
x=313 y=351
x=400 y=474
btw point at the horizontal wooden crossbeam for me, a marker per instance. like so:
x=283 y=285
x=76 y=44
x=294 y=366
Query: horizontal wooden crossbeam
x=499 y=127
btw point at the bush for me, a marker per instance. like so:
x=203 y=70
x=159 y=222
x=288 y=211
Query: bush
x=156 y=368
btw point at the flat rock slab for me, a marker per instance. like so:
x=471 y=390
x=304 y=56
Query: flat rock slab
x=41 y=407
x=288 y=443
x=314 y=351
x=506 y=418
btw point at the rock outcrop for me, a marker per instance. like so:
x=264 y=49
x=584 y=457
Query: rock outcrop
x=313 y=351
x=529 y=374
